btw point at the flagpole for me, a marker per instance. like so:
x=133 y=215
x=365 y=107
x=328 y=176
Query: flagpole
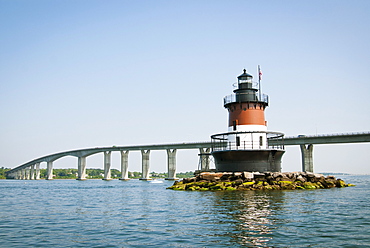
x=259 y=82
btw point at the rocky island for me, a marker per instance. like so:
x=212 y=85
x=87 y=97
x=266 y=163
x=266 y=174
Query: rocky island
x=206 y=181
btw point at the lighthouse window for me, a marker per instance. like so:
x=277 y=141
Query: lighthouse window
x=261 y=141
x=237 y=141
x=234 y=125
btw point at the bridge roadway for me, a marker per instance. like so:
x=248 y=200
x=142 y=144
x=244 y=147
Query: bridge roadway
x=326 y=139
x=31 y=170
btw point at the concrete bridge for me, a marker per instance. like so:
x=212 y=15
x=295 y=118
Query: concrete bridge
x=31 y=170
x=306 y=144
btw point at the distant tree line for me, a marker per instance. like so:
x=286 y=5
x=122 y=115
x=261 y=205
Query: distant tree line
x=98 y=174
x=2 y=172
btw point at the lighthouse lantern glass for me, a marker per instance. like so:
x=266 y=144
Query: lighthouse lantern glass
x=245 y=80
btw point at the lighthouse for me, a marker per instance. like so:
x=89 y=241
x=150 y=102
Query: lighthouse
x=245 y=147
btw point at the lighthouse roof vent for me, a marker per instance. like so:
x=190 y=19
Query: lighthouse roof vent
x=245 y=75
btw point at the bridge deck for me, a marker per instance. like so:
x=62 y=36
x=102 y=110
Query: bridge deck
x=326 y=139
x=298 y=140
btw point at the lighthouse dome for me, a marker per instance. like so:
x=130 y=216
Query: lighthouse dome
x=245 y=76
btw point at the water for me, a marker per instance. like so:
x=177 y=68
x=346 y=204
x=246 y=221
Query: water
x=97 y=213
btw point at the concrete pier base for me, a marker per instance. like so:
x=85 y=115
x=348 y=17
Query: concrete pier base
x=37 y=176
x=32 y=177
x=145 y=165
x=107 y=159
x=124 y=166
x=28 y=173
x=81 y=168
x=307 y=158
x=171 y=164
x=49 y=170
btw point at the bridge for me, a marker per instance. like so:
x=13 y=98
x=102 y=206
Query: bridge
x=306 y=144
x=31 y=169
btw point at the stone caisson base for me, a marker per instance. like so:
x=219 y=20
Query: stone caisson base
x=257 y=181
x=248 y=160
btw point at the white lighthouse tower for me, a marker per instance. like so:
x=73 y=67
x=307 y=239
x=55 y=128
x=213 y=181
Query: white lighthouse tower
x=245 y=147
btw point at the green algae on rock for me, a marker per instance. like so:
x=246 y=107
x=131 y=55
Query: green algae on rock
x=212 y=181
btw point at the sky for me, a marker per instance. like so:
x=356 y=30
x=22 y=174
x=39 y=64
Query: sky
x=88 y=73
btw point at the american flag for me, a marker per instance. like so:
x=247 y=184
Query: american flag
x=259 y=73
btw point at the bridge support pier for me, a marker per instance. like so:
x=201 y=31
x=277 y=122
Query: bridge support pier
x=32 y=172
x=19 y=175
x=204 y=158
x=145 y=165
x=37 y=176
x=81 y=168
x=107 y=158
x=307 y=158
x=49 y=170
x=171 y=164
x=28 y=174
x=124 y=165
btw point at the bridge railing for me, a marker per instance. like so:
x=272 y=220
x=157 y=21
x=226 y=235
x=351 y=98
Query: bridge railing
x=327 y=135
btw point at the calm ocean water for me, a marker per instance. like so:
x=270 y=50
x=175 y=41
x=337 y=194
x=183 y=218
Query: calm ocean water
x=97 y=213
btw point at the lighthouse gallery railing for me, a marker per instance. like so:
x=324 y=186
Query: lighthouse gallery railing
x=232 y=98
x=229 y=141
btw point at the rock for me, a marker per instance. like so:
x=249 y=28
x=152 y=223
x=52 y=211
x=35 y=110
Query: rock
x=301 y=179
x=320 y=185
x=247 y=184
x=257 y=175
x=286 y=185
x=230 y=188
x=258 y=185
x=310 y=174
x=226 y=177
x=218 y=186
x=189 y=180
x=206 y=181
x=210 y=176
x=285 y=178
x=277 y=174
x=248 y=175
x=288 y=175
x=238 y=182
x=237 y=174
x=314 y=178
x=340 y=183
x=309 y=185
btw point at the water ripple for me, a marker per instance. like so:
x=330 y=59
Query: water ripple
x=96 y=213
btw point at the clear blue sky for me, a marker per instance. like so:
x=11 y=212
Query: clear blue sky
x=85 y=73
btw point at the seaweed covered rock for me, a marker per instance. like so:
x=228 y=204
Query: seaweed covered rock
x=206 y=181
